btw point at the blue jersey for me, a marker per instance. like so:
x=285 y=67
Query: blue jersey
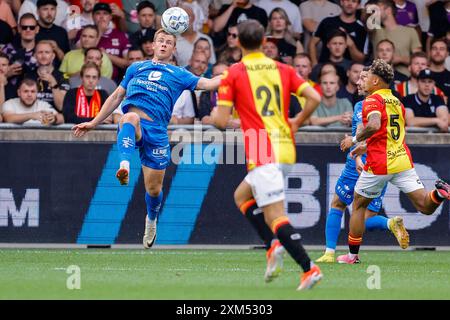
x=350 y=165
x=154 y=87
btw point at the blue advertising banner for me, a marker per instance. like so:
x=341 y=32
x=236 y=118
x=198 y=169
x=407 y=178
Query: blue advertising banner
x=67 y=193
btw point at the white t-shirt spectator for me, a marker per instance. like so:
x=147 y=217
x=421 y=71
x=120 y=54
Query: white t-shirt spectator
x=184 y=108
x=61 y=10
x=15 y=106
x=313 y=10
x=291 y=9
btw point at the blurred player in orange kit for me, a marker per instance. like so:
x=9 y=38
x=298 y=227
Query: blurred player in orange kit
x=260 y=89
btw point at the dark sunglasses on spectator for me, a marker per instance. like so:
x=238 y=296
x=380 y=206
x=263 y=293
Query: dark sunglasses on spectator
x=234 y=35
x=28 y=27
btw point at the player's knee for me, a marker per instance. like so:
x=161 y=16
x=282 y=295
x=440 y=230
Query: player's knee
x=338 y=204
x=130 y=117
x=154 y=190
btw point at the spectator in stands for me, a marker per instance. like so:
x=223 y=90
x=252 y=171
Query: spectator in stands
x=232 y=14
x=186 y=41
x=28 y=109
x=132 y=15
x=46 y=10
x=313 y=12
x=62 y=10
x=135 y=54
x=270 y=48
x=439 y=21
x=357 y=40
x=337 y=45
x=200 y=13
x=6 y=34
x=208 y=101
x=21 y=51
x=406 y=39
x=289 y=11
x=230 y=52
x=330 y=67
x=147 y=17
x=147 y=46
x=74 y=59
x=7 y=90
x=203 y=45
x=280 y=28
x=94 y=55
x=424 y=20
x=438 y=54
x=112 y=41
x=52 y=87
x=198 y=64
x=406 y=13
x=302 y=64
x=73 y=24
x=425 y=109
x=332 y=111
x=349 y=91
x=7 y=15
x=118 y=15
x=419 y=62
x=385 y=50
x=84 y=103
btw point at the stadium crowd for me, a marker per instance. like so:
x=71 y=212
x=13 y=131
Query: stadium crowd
x=61 y=59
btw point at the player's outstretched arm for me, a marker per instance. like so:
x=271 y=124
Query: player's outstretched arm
x=312 y=102
x=108 y=107
x=209 y=84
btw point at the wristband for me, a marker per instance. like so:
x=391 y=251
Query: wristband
x=354 y=140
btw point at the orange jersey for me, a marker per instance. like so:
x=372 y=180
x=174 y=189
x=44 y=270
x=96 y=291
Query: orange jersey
x=387 y=152
x=260 y=89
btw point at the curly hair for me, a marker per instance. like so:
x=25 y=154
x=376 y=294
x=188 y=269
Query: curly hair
x=382 y=69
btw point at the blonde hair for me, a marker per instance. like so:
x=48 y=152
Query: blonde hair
x=162 y=31
x=288 y=33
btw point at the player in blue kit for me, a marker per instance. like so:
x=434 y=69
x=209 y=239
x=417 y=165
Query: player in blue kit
x=344 y=194
x=148 y=93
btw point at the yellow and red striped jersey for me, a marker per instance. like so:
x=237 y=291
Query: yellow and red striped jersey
x=387 y=152
x=260 y=89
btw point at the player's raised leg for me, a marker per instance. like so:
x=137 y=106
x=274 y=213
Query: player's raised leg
x=153 y=180
x=427 y=202
x=129 y=132
x=244 y=200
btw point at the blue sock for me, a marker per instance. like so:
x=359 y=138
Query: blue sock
x=126 y=140
x=333 y=227
x=377 y=223
x=153 y=205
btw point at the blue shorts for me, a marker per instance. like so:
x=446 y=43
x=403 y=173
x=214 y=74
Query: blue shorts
x=154 y=147
x=345 y=187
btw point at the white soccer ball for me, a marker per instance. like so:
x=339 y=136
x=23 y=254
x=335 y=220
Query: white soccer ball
x=175 y=20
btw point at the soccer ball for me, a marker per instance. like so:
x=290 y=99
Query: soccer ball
x=175 y=20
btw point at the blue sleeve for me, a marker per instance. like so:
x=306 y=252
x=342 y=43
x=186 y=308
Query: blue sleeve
x=189 y=79
x=131 y=70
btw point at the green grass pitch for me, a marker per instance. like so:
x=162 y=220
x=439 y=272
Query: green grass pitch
x=213 y=275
